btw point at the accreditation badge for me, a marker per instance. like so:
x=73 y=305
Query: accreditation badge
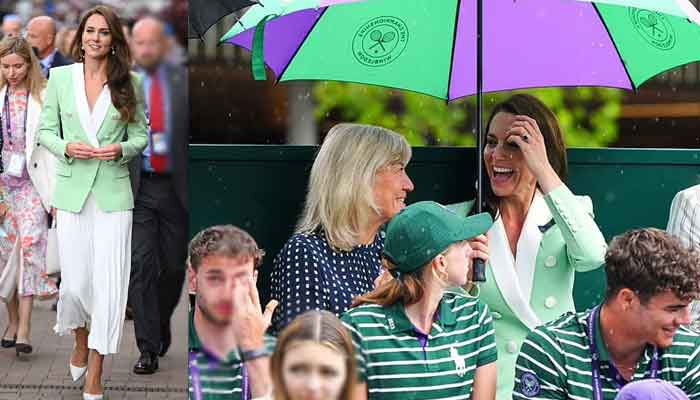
x=160 y=145
x=16 y=166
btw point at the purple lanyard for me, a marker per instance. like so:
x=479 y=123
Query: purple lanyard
x=195 y=376
x=245 y=384
x=6 y=112
x=613 y=373
x=197 y=379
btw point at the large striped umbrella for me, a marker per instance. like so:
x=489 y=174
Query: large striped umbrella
x=455 y=48
x=430 y=46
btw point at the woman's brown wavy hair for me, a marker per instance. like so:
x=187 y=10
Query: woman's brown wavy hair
x=118 y=64
x=408 y=288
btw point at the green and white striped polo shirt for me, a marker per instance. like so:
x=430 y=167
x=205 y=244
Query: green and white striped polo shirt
x=395 y=365
x=555 y=362
x=219 y=379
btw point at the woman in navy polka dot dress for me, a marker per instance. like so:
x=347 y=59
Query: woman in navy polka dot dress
x=357 y=183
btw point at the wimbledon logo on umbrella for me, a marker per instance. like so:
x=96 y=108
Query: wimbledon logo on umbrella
x=380 y=41
x=654 y=28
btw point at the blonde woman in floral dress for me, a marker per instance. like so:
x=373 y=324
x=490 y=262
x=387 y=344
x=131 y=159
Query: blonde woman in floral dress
x=26 y=184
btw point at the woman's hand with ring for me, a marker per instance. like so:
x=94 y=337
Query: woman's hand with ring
x=526 y=134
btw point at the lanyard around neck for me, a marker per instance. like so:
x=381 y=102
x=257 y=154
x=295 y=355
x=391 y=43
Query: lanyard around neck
x=613 y=373
x=6 y=112
x=196 y=377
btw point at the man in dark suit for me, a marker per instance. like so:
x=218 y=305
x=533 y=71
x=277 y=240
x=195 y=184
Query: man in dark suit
x=159 y=239
x=41 y=35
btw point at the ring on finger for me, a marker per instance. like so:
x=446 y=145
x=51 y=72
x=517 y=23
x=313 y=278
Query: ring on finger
x=526 y=138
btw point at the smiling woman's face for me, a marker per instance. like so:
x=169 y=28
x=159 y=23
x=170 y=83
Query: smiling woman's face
x=97 y=38
x=505 y=165
x=391 y=185
x=313 y=371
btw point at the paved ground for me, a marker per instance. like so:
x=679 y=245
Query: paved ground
x=44 y=374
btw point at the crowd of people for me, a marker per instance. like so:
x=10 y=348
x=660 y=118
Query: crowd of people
x=94 y=144
x=373 y=299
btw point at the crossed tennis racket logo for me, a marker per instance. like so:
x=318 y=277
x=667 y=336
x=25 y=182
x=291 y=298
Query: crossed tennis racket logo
x=380 y=39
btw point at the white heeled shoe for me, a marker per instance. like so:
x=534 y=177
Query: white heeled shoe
x=89 y=396
x=77 y=372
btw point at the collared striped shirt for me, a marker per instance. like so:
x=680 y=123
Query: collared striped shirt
x=394 y=363
x=555 y=362
x=684 y=223
x=684 y=216
x=219 y=379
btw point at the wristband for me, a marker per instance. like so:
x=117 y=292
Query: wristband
x=249 y=355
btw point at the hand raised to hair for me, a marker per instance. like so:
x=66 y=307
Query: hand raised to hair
x=526 y=134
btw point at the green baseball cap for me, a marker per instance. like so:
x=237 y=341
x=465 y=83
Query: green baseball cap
x=425 y=229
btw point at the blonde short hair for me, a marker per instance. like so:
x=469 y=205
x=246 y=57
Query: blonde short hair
x=340 y=198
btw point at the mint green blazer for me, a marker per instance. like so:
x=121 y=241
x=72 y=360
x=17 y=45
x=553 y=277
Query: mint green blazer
x=558 y=239
x=108 y=181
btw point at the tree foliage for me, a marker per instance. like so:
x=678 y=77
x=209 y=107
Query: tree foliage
x=588 y=116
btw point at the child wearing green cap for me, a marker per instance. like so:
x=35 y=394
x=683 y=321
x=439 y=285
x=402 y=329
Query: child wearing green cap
x=414 y=338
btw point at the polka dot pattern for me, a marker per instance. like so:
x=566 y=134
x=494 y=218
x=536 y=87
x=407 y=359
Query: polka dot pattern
x=308 y=274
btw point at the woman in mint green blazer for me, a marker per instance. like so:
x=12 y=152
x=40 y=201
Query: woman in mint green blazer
x=542 y=234
x=93 y=121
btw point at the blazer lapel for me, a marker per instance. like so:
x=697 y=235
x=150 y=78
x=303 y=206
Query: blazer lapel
x=503 y=268
x=514 y=278
x=529 y=243
x=33 y=111
x=81 y=104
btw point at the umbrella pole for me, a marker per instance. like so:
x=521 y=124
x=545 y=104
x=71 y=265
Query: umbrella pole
x=479 y=274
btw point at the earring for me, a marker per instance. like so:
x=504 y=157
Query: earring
x=113 y=51
x=443 y=282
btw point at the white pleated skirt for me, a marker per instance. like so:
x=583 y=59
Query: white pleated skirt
x=94 y=248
